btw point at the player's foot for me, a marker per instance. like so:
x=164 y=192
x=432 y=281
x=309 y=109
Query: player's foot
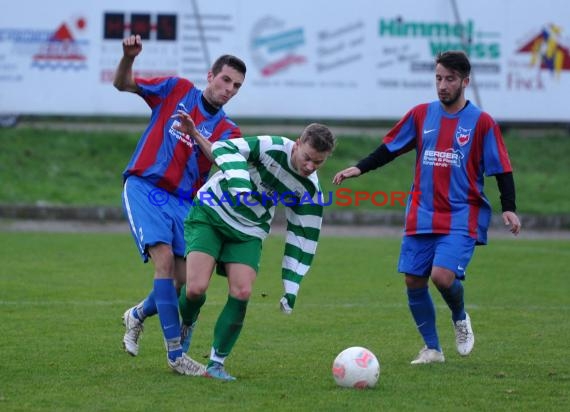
x=464 y=337
x=186 y=336
x=185 y=365
x=428 y=356
x=216 y=370
x=133 y=330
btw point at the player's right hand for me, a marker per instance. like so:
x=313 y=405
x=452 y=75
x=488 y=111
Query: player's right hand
x=132 y=45
x=346 y=174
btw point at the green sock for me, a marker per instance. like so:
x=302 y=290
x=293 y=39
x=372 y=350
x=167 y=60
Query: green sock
x=228 y=325
x=189 y=309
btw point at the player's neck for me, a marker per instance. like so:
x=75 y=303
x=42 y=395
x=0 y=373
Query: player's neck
x=210 y=108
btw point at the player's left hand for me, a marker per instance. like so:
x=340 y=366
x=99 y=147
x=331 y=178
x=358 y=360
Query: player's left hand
x=186 y=124
x=511 y=219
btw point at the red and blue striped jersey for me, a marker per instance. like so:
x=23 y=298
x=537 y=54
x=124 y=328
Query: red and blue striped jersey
x=166 y=157
x=453 y=154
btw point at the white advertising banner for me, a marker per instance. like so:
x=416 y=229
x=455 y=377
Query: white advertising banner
x=362 y=59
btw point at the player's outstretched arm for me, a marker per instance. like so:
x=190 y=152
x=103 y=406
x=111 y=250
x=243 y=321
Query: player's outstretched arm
x=511 y=219
x=352 y=171
x=124 y=79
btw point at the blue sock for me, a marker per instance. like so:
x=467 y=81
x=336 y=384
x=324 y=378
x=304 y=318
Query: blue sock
x=149 y=305
x=454 y=299
x=146 y=308
x=167 y=306
x=423 y=311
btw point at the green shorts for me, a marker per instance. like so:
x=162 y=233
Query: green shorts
x=205 y=232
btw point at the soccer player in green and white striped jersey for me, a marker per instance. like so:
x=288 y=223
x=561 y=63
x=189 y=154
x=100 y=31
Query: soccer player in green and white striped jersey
x=232 y=214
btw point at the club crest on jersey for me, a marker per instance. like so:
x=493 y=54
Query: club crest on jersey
x=204 y=132
x=462 y=136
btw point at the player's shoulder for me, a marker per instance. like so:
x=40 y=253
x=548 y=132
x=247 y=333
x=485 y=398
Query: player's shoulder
x=421 y=107
x=273 y=146
x=486 y=121
x=183 y=81
x=274 y=142
x=472 y=108
x=181 y=85
x=165 y=79
x=419 y=110
x=487 y=118
x=424 y=105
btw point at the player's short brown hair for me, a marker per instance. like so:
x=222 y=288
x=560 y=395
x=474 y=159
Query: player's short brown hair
x=319 y=137
x=455 y=60
x=229 y=60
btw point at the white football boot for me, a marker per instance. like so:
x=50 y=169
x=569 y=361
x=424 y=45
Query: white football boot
x=428 y=356
x=185 y=365
x=133 y=330
x=464 y=337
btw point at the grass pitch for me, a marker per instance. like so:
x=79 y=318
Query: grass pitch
x=62 y=297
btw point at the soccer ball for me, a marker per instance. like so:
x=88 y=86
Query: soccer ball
x=356 y=367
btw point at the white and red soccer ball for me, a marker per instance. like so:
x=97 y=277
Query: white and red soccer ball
x=356 y=367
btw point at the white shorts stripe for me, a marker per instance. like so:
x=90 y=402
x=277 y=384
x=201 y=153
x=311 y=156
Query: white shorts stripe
x=130 y=217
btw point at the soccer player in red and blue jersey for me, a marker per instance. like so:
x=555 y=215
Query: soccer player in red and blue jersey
x=165 y=172
x=457 y=145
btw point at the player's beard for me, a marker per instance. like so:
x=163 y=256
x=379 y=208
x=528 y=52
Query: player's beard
x=452 y=99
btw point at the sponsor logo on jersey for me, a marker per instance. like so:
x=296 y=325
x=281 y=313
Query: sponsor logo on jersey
x=440 y=158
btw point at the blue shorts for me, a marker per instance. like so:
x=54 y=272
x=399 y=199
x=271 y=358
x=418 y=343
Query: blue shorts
x=154 y=215
x=419 y=253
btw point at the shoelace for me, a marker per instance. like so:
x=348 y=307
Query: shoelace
x=191 y=365
x=462 y=332
x=136 y=328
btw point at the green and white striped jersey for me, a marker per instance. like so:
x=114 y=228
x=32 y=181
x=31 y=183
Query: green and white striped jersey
x=255 y=176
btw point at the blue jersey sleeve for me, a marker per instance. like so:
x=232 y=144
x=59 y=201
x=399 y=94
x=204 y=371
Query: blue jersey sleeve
x=495 y=156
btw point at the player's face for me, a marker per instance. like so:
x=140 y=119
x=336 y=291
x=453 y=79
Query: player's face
x=450 y=85
x=305 y=159
x=223 y=86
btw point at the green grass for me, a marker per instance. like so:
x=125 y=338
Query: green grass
x=63 y=167
x=84 y=168
x=62 y=296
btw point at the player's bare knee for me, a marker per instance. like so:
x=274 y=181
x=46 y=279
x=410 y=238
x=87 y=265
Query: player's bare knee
x=241 y=293
x=442 y=278
x=416 y=282
x=194 y=290
x=163 y=260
